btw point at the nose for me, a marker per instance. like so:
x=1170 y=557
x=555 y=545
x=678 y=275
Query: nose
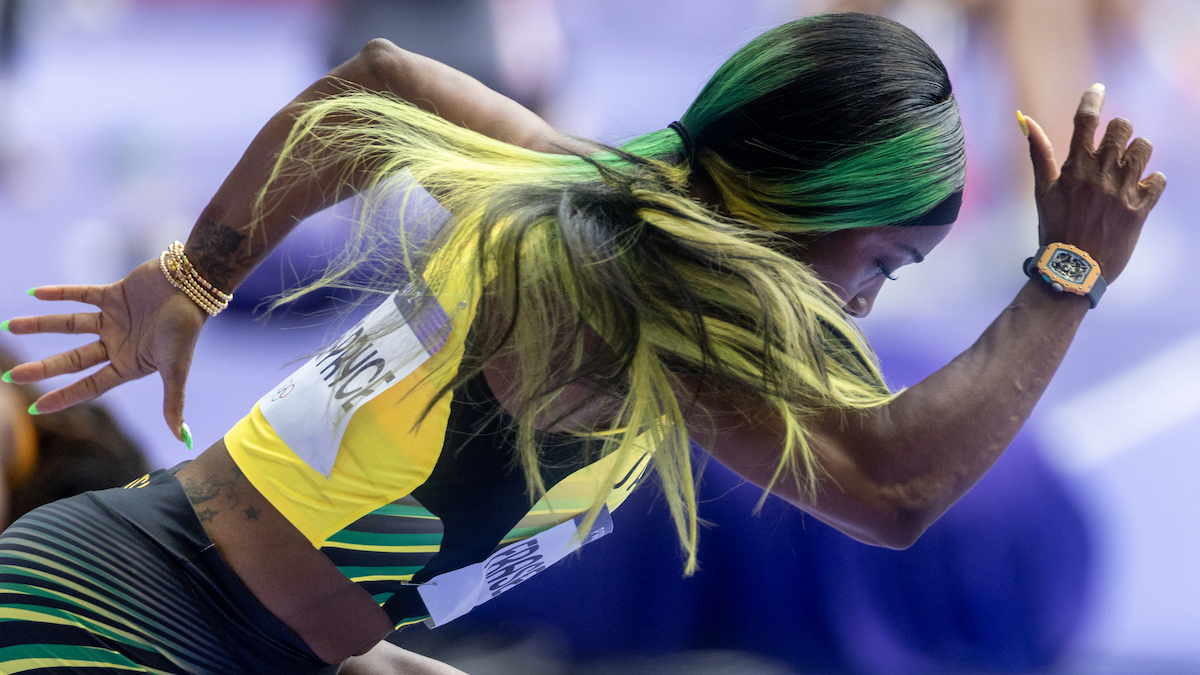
x=861 y=304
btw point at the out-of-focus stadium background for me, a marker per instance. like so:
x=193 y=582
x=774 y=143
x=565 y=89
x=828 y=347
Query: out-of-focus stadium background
x=119 y=118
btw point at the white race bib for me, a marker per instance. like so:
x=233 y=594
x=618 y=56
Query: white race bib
x=311 y=409
x=453 y=594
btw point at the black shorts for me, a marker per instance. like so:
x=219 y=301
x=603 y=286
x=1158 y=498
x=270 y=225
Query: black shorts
x=127 y=580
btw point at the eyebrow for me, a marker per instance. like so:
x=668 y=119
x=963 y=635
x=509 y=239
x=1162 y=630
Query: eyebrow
x=916 y=255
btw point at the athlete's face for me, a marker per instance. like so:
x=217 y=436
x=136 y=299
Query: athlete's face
x=854 y=263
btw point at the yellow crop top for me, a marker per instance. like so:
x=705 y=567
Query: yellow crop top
x=412 y=509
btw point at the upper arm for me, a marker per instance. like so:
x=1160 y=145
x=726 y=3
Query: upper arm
x=453 y=95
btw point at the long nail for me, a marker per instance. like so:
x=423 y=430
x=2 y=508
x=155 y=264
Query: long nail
x=1023 y=121
x=30 y=292
x=33 y=409
x=7 y=376
x=187 y=435
x=4 y=325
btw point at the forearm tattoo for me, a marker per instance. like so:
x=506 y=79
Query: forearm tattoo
x=220 y=253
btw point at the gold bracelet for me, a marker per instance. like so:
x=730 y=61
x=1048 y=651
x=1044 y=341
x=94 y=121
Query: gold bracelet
x=176 y=250
x=179 y=271
x=166 y=265
x=185 y=283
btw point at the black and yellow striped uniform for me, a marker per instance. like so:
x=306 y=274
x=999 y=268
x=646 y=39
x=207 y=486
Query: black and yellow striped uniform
x=126 y=580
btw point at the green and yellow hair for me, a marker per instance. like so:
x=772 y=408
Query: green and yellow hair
x=826 y=123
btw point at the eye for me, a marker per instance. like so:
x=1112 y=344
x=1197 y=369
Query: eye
x=884 y=270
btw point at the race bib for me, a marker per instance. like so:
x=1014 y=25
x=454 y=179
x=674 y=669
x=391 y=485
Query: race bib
x=311 y=409
x=453 y=594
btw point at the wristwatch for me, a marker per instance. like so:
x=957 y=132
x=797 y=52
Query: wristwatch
x=1068 y=269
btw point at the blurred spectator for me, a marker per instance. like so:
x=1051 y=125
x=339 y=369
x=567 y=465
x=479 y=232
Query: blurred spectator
x=1050 y=48
x=44 y=458
x=513 y=46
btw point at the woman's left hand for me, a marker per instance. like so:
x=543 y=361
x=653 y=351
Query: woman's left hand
x=1098 y=200
x=144 y=325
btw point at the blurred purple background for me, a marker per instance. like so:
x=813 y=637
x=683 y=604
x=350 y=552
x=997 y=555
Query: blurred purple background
x=118 y=120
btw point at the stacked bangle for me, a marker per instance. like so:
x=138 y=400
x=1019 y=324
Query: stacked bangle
x=182 y=275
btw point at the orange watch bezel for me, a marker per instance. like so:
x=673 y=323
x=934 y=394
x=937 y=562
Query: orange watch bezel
x=1082 y=288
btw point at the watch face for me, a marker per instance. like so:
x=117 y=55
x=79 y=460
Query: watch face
x=1069 y=266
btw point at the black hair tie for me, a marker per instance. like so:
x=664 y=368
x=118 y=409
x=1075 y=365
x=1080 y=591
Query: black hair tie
x=689 y=143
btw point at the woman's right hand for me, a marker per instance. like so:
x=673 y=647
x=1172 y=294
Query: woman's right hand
x=1098 y=201
x=144 y=325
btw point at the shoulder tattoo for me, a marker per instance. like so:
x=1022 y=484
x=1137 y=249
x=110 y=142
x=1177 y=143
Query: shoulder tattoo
x=209 y=487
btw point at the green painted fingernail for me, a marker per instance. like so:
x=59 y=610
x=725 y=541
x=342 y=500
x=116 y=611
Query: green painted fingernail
x=7 y=376
x=33 y=409
x=4 y=325
x=30 y=291
x=187 y=435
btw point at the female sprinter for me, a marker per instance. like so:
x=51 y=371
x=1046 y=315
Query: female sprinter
x=583 y=313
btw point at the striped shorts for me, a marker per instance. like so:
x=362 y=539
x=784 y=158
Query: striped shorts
x=126 y=580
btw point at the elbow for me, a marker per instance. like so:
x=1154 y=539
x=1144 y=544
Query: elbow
x=885 y=528
x=900 y=534
x=894 y=526
x=902 y=511
x=379 y=55
x=884 y=533
x=374 y=65
x=378 y=48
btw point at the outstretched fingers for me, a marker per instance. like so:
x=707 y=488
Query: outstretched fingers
x=73 y=324
x=1087 y=120
x=1111 y=150
x=1115 y=155
x=1151 y=189
x=1100 y=202
x=73 y=361
x=1137 y=157
x=78 y=392
x=92 y=295
x=1129 y=159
